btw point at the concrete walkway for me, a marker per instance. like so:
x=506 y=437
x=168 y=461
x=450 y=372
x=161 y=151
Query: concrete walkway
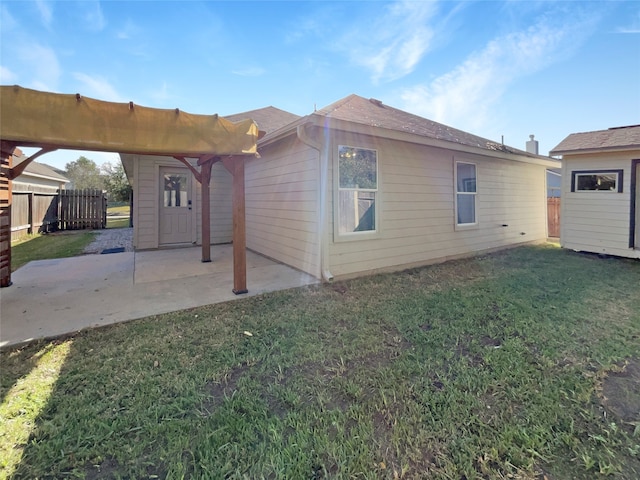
x=54 y=297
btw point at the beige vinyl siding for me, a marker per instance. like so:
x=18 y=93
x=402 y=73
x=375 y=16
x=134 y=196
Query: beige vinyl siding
x=281 y=204
x=220 y=213
x=146 y=194
x=596 y=221
x=145 y=203
x=416 y=205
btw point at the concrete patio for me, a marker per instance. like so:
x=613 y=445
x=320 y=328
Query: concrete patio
x=54 y=297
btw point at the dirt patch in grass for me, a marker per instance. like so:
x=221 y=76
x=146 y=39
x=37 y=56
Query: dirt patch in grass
x=621 y=392
x=218 y=391
x=109 y=468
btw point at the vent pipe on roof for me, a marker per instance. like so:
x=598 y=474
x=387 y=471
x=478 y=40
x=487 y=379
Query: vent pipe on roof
x=532 y=145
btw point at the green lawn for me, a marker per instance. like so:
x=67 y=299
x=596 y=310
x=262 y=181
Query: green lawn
x=118 y=209
x=118 y=222
x=510 y=365
x=41 y=247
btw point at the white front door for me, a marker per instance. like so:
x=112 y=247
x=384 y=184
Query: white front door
x=176 y=212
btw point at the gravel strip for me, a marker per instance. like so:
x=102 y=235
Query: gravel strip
x=111 y=238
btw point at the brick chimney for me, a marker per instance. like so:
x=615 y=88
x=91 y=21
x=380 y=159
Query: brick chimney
x=532 y=145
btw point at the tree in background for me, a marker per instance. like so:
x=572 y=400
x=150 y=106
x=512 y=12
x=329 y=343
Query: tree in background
x=84 y=173
x=116 y=183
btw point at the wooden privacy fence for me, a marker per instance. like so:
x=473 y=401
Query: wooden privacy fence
x=33 y=212
x=82 y=209
x=553 y=216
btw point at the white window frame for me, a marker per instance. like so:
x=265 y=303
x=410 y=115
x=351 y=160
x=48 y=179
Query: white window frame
x=576 y=174
x=465 y=226
x=349 y=236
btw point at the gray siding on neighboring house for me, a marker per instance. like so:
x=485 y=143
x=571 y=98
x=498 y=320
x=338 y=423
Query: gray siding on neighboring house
x=281 y=204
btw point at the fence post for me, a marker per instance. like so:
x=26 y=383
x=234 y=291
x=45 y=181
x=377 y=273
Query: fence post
x=30 y=212
x=104 y=211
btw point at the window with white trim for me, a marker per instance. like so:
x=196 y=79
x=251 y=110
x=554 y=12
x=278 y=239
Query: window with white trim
x=596 y=180
x=466 y=192
x=357 y=190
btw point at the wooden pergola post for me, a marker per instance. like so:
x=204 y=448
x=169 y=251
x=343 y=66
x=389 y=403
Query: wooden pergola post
x=235 y=165
x=6 y=189
x=205 y=194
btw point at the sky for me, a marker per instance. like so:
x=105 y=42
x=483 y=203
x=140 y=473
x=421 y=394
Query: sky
x=500 y=70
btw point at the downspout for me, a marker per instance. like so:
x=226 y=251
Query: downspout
x=323 y=166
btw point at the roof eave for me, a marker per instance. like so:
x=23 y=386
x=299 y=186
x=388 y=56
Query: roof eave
x=45 y=177
x=577 y=151
x=443 y=144
x=319 y=120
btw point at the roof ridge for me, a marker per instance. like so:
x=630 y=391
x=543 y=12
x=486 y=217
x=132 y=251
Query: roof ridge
x=375 y=113
x=260 y=109
x=337 y=104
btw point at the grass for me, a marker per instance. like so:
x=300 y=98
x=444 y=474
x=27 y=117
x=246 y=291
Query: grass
x=494 y=367
x=118 y=209
x=117 y=222
x=48 y=246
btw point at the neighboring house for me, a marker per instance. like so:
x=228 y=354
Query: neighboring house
x=355 y=188
x=35 y=197
x=37 y=177
x=601 y=191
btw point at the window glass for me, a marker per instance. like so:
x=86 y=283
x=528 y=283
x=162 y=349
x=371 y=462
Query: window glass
x=358 y=168
x=466 y=209
x=358 y=171
x=597 y=181
x=466 y=177
x=175 y=190
x=465 y=193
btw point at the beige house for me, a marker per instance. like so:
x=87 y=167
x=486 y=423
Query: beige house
x=600 y=210
x=355 y=188
x=166 y=197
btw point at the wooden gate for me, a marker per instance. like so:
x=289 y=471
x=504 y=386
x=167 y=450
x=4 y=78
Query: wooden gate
x=553 y=216
x=82 y=209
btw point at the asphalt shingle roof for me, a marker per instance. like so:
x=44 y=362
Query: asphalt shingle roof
x=611 y=139
x=372 y=112
x=269 y=119
x=37 y=168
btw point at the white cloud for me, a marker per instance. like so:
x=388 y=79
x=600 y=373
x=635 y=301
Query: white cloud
x=632 y=27
x=97 y=87
x=7 y=77
x=42 y=63
x=6 y=19
x=161 y=95
x=127 y=31
x=92 y=16
x=466 y=95
x=392 y=43
x=249 y=72
x=46 y=12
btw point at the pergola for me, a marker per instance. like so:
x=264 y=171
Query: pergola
x=52 y=121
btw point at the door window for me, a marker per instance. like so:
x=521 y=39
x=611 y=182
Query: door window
x=175 y=190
